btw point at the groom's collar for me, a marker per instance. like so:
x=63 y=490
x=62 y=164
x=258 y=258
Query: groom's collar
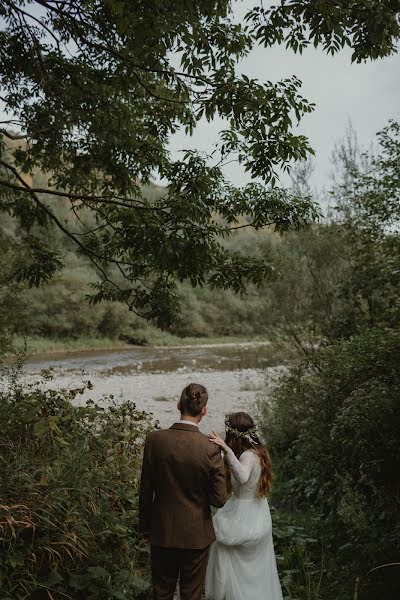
x=185 y=422
x=185 y=425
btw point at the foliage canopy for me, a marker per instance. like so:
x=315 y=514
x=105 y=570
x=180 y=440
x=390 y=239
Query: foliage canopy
x=92 y=94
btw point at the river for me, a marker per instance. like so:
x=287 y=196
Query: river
x=153 y=377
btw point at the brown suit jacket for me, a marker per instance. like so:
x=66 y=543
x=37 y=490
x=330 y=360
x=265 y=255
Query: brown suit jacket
x=182 y=475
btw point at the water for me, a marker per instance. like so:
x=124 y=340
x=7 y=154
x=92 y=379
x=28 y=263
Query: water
x=153 y=377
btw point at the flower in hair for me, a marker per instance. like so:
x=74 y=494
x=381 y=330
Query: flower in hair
x=240 y=434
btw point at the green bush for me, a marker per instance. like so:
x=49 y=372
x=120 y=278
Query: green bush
x=68 y=496
x=298 y=556
x=333 y=424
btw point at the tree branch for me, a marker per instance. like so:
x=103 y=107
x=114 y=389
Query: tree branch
x=91 y=255
x=11 y=136
x=110 y=50
x=87 y=251
x=71 y=196
x=247 y=225
x=113 y=52
x=26 y=14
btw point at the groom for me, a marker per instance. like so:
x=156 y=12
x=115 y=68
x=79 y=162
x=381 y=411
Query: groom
x=182 y=474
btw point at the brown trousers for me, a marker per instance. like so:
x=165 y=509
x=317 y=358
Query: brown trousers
x=167 y=564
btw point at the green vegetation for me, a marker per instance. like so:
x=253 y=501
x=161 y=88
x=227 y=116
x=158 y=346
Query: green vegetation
x=333 y=421
x=92 y=94
x=332 y=279
x=59 y=312
x=40 y=345
x=299 y=556
x=91 y=98
x=68 y=489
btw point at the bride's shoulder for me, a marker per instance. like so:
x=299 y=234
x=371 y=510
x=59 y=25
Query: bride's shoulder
x=250 y=452
x=252 y=456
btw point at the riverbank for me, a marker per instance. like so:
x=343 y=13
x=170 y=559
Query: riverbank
x=153 y=377
x=50 y=346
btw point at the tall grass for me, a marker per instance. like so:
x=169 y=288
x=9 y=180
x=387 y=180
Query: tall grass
x=68 y=497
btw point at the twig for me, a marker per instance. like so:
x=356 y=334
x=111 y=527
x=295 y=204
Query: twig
x=321 y=571
x=11 y=136
x=355 y=596
x=71 y=196
x=394 y=564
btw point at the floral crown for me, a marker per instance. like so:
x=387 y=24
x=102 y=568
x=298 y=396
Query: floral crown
x=240 y=434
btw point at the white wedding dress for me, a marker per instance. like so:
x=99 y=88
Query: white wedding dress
x=242 y=564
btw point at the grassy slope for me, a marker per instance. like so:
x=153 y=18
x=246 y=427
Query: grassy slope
x=40 y=345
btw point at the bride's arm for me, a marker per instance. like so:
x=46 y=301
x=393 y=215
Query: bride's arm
x=241 y=468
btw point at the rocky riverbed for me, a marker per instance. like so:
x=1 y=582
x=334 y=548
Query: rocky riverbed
x=153 y=378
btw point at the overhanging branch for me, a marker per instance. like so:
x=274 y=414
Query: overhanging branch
x=12 y=136
x=87 y=251
x=70 y=196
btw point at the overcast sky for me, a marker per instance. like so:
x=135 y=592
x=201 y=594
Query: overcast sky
x=367 y=95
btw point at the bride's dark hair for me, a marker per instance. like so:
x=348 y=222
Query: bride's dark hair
x=241 y=423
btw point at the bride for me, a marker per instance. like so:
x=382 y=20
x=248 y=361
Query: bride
x=242 y=562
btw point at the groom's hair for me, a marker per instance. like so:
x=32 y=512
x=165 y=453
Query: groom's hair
x=193 y=399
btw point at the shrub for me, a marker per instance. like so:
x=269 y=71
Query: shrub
x=298 y=556
x=333 y=423
x=68 y=496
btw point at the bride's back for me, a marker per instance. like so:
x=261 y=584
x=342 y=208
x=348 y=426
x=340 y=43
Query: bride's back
x=245 y=480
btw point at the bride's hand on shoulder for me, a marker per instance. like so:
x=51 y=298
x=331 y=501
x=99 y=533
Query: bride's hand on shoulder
x=216 y=439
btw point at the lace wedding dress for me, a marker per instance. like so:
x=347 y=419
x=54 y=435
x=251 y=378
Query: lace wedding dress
x=242 y=564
